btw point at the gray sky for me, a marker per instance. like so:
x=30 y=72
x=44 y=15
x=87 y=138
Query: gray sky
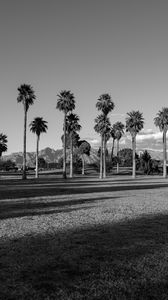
x=90 y=47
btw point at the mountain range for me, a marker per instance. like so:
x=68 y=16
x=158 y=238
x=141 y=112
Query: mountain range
x=51 y=155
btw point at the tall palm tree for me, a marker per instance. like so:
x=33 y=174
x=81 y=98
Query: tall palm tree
x=105 y=105
x=134 y=124
x=26 y=96
x=38 y=126
x=3 y=143
x=161 y=121
x=102 y=126
x=119 y=131
x=72 y=126
x=65 y=103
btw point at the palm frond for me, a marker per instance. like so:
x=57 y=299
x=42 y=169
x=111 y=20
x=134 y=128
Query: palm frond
x=72 y=123
x=161 y=119
x=105 y=103
x=65 y=101
x=26 y=95
x=117 y=130
x=38 y=126
x=102 y=124
x=134 y=122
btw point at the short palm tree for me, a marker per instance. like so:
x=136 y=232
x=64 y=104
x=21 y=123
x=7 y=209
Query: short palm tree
x=102 y=126
x=146 y=162
x=105 y=105
x=134 y=124
x=38 y=126
x=72 y=126
x=84 y=148
x=26 y=96
x=3 y=143
x=161 y=121
x=65 y=103
x=119 y=131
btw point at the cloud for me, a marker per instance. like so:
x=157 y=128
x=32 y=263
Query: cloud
x=149 y=136
x=147 y=131
x=93 y=141
x=147 y=139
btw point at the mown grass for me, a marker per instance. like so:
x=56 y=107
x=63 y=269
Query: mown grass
x=101 y=245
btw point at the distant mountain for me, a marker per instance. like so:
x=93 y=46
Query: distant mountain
x=50 y=155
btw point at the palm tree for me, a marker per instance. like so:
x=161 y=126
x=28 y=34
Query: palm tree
x=3 y=143
x=146 y=162
x=134 y=124
x=72 y=126
x=119 y=131
x=102 y=127
x=38 y=126
x=105 y=105
x=26 y=96
x=65 y=103
x=161 y=121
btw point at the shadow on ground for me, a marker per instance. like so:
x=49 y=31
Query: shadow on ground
x=47 y=187
x=126 y=260
x=14 y=209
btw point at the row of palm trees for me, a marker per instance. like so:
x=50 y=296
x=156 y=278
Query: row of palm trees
x=134 y=124
x=71 y=127
x=65 y=103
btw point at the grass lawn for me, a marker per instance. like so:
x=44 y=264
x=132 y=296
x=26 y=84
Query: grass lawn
x=84 y=239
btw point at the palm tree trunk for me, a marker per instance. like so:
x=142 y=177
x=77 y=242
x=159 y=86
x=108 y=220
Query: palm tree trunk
x=71 y=157
x=37 y=151
x=112 y=150
x=133 y=157
x=117 y=156
x=83 y=165
x=101 y=158
x=64 y=149
x=24 y=143
x=164 y=155
x=104 y=157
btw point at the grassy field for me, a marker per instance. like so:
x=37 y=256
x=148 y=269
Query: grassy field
x=84 y=238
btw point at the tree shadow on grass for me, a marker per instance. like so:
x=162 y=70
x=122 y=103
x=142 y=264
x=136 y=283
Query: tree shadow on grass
x=82 y=180
x=14 y=209
x=124 y=260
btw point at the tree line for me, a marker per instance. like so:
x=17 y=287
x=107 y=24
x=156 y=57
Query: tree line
x=134 y=123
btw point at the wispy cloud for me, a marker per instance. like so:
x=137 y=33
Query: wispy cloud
x=147 y=139
x=149 y=136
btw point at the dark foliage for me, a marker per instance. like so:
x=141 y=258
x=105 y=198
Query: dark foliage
x=125 y=158
x=8 y=165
